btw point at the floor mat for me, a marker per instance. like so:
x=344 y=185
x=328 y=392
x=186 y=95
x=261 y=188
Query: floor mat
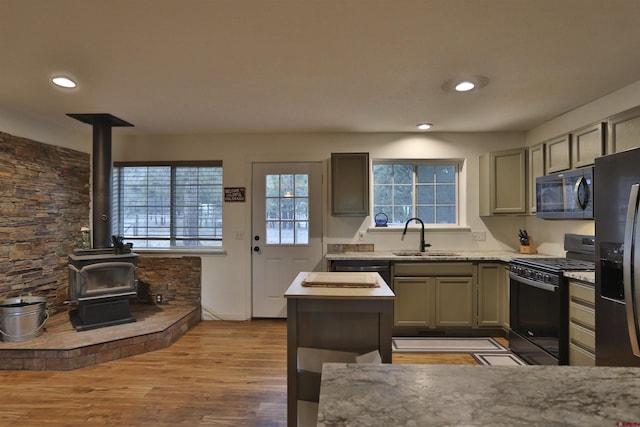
x=446 y=345
x=498 y=359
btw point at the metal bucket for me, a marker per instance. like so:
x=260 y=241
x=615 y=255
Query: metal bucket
x=22 y=318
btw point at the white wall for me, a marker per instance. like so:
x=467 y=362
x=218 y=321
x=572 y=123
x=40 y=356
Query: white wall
x=227 y=279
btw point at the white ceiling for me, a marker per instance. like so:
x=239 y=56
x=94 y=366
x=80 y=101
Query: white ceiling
x=204 y=66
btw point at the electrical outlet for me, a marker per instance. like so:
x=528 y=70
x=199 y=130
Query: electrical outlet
x=159 y=299
x=479 y=236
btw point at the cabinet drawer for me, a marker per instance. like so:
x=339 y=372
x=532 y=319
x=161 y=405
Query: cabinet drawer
x=582 y=336
x=433 y=269
x=582 y=292
x=580 y=357
x=582 y=314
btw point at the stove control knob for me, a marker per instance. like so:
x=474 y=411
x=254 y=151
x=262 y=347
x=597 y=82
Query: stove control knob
x=547 y=278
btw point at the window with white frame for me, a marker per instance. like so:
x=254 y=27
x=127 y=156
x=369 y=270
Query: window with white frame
x=427 y=189
x=168 y=204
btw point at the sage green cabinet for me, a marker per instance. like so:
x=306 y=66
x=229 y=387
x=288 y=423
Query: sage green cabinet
x=503 y=182
x=493 y=294
x=587 y=144
x=558 y=154
x=414 y=301
x=582 y=324
x=350 y=184
x=432 y=295
x=624 y=131
x=536 y=168
x=454 y=301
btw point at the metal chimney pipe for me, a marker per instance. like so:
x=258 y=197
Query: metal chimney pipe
x=102 y=171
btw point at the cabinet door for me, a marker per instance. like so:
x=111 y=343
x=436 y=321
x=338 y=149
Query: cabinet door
x=624 y=131
x=558 y=154
x=490 y=286
x=504 y=298
x=587 y=144
x=536 y=169
x=503 y=182
x=350 y=184
x=454 y=301
x=414 y=301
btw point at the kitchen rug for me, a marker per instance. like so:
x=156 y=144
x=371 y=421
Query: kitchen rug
x=498 y=359
x=445 y=345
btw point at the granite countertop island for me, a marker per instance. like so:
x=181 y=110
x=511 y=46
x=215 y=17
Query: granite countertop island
x=449 y=395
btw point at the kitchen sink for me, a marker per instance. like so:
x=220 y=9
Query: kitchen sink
x=424 y=254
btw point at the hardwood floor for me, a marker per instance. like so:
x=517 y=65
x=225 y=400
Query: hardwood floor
x=217 y=374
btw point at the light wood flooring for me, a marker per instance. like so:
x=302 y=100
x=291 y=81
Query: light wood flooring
x=217 y=374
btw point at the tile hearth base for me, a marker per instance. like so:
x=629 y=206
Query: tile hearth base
x=61 y=348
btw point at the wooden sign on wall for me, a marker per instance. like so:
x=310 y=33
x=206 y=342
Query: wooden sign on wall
x=234 y=194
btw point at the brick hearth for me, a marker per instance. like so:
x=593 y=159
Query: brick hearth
x=61 y=348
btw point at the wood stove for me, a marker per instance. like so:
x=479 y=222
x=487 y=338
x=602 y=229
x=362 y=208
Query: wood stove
x=101 y=284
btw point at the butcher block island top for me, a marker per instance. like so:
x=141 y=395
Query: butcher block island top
x=449 y=395
x=339 y=285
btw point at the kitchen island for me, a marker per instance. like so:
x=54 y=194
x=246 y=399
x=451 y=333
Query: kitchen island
x=327 y=317
x=448 y=395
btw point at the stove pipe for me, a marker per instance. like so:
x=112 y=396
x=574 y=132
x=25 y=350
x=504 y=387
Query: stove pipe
x=102 y=168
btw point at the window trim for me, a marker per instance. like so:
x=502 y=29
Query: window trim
x=461 y=192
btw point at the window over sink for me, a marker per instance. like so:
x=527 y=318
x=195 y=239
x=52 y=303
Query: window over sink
x=427 y=189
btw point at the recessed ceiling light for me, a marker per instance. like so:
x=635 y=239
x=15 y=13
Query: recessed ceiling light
x=424 y=126
x=465 y=83
x=465 y=86
x=65 y=82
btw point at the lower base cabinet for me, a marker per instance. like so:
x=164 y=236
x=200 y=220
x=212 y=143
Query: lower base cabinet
x=433 y=295
x=582 y=324
x=493 y=295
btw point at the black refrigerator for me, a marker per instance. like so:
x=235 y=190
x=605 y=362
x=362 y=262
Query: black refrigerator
x=616 y=184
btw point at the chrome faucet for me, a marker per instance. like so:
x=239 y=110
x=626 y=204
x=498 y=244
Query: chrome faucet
x=423 y=245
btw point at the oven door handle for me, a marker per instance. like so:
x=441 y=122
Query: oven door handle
x=529 y=282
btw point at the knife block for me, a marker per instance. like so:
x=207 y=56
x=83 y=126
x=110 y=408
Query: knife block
x=530 y=249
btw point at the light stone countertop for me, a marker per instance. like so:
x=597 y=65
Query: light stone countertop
x=585 y=276
x=448 y=395
x=433 y=255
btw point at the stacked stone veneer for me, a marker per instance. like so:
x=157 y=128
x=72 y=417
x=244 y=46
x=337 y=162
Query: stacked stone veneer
x=178 y=280
x=44 y=200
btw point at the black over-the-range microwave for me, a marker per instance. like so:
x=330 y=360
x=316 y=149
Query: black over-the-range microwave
x=565 y=195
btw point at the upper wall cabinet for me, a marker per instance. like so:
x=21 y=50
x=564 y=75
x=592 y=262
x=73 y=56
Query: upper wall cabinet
x=587 y=144
x=350 y=184
x=536 y=169
x=558 y=154
x=503 y=182
x=624 y=131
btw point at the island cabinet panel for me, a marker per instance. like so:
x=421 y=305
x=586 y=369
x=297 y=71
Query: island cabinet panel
x=624 y=131
x=331 y=324
x=582 y=324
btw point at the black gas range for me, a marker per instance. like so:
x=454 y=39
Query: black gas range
x=539 y=302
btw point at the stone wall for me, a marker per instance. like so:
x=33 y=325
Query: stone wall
x=176 y=279
x=44 y=200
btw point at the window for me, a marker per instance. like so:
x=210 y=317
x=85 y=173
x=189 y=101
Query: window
x=427 y=189
x=287 y=209
x=168 y=205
